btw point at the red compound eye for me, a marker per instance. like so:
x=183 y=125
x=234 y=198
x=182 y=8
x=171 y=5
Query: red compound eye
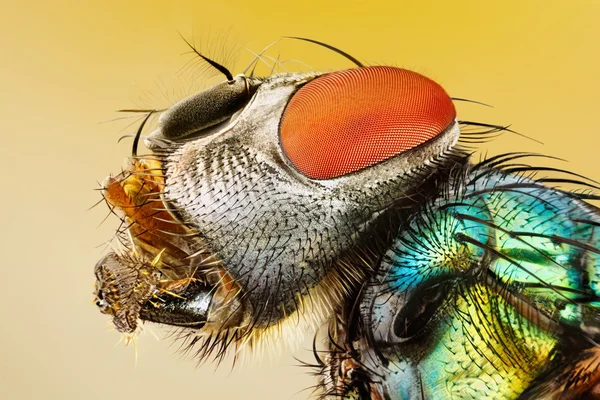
x=348 y=120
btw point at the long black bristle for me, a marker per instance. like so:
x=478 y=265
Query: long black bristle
x=330 y=47
x=214 y=64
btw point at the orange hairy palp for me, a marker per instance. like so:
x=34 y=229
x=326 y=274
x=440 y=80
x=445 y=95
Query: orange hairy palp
x=348 y=120
x=136 y=193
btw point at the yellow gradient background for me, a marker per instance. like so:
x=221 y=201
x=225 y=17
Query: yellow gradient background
x=66 y=66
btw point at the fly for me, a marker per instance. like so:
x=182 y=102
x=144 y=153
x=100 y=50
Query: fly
x=350 y=198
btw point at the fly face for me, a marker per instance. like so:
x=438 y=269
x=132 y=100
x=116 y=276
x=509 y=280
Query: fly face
x=282 y=194
x=267 y=190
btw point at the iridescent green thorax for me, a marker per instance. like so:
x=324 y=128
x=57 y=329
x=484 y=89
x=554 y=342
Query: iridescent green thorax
x=489 y=291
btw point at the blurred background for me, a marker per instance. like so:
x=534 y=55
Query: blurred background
x=67 y=66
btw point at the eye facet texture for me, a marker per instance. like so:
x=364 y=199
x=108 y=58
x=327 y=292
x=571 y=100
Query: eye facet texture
x=348 y=120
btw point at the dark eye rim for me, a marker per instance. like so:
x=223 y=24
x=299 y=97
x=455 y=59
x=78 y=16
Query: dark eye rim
x=435 y=295
x=381 y=336
x=423 y=305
